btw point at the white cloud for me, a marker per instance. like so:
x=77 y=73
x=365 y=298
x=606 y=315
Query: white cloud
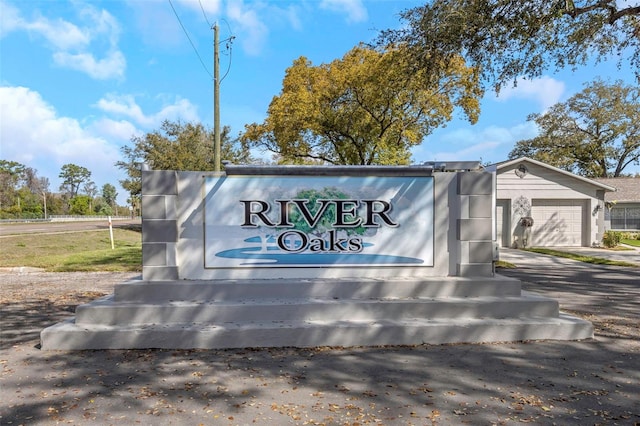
x=102 y=24
x=253 y=21
x=60 y=34
x=119 y=130
x=127 y=106
x=80 y=48
x=292 y=15
x=32 y=133
x=546 y=91
x=124 y=105
x=354 y=9
x=252 y=32
x=491 y=144
x=10 y=19
x=470 y=153
x=181 y=109
x=112 y=65
x=209 y=7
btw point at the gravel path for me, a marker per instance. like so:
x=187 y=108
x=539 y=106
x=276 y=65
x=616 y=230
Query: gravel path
x=593 y=382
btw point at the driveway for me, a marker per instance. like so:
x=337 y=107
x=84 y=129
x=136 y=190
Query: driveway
x=594 y=292
x=542 y=269
x=631 y=254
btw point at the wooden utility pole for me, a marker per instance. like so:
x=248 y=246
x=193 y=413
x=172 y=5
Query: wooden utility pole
x=216 y=98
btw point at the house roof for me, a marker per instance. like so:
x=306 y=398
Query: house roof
x=607 y=187
x=627 y=189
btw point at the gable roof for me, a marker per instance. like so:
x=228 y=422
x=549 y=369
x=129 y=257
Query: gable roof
x=509 y=163
x=627 y=189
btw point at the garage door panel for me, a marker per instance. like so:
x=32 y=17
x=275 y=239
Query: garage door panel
x=557 y=223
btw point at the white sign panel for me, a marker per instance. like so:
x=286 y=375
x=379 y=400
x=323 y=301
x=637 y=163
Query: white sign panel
x=325 y=221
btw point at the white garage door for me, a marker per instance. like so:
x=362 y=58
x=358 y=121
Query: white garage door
x=557 y=223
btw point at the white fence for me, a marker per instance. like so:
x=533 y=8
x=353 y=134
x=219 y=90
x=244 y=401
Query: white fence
x=68 y=218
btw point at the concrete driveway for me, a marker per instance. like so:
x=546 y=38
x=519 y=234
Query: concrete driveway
x=516 y=256
x=580 y=287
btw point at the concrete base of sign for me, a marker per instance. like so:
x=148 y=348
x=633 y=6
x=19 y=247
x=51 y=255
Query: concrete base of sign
x=313 y=312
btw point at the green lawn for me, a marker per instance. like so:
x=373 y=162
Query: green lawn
x=75 y=251
x=579 y=257
x=635 y=243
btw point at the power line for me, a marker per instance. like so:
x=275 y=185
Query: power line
x=229 y=48
x=229 y=40
x=204 y=14
x=189 y=38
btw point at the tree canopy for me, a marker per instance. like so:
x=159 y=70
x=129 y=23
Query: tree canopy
x=506 y=39
x=595 y=133
x=72 y=177
x=176 y=146
x=109 y=194
x=22 y=192
x=363 y=109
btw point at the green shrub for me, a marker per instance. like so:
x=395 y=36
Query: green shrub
x=630 y=235
x=611 y=239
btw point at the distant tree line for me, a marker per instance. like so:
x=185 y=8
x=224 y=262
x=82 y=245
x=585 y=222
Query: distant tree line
x=25 y=195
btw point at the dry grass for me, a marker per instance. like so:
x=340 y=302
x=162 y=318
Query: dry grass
x=74 y=251
x=580 y=257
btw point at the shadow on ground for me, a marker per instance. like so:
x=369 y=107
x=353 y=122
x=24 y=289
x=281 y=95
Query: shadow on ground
x=570 y=383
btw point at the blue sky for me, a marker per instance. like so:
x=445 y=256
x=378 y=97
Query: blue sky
x=79 y=79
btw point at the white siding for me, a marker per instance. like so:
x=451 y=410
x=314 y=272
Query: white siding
x=543 y=185
x=503 y=218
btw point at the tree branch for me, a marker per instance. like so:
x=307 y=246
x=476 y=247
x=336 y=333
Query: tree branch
x=614 y=13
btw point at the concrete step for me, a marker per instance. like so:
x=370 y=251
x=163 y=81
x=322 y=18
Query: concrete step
x=108 y=312
x=70 y=336
x=429 y=287
x=317 y=312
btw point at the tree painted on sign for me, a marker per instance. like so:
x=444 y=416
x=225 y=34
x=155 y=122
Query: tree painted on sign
x=325 y=220
x=319 y=226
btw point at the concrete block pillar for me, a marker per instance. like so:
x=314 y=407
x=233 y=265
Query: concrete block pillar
x=475 y=223
x=159 y=225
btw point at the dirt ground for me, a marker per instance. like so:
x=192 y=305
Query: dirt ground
x=595 y=382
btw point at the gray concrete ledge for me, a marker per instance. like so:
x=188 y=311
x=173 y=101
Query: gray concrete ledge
x=309 y=313
x=69 y=336
x=428 y=287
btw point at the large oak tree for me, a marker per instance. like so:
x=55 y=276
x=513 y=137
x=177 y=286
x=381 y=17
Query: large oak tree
x=363 y=109
x=506 y=39
x=595 y=133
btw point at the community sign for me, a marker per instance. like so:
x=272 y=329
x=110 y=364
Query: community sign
x=323 y=221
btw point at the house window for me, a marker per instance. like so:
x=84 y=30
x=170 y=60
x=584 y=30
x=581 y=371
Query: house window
x=624 y=218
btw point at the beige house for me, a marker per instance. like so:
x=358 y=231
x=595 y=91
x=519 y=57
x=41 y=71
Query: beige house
x=622 y=211
x=538 y=205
